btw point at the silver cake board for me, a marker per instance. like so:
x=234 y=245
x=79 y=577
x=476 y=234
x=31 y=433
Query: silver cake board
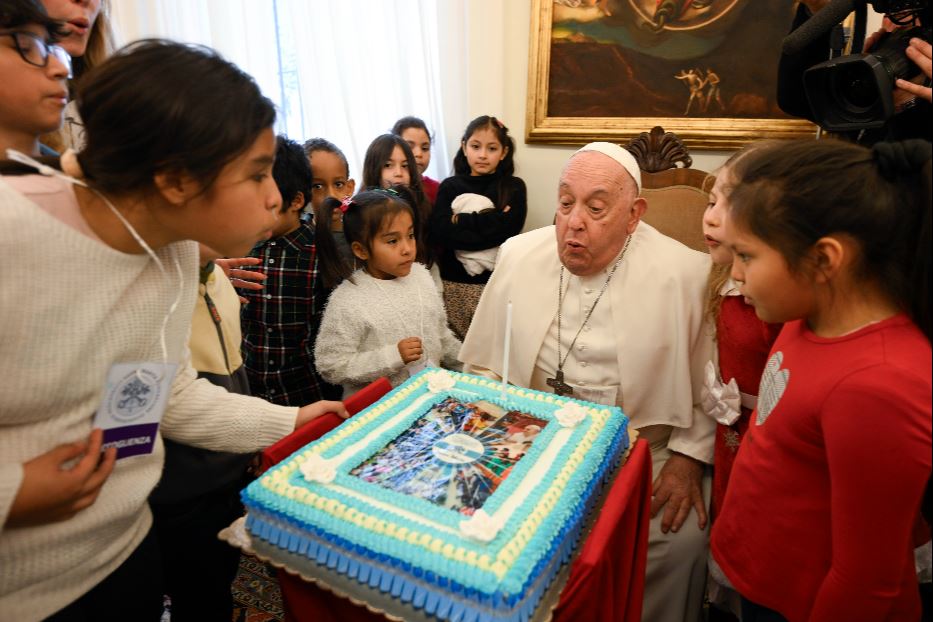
x=383 y=603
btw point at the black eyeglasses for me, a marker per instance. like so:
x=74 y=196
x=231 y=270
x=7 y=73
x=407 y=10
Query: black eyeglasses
x=36 y=51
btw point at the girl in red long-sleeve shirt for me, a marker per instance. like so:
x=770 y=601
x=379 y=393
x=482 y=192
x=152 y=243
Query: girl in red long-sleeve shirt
x=833 y=240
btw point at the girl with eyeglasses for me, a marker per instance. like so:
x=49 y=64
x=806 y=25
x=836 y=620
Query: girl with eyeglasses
x=34 y=73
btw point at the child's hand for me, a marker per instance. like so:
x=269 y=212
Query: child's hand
x=315 y=410
x=50 y=492
x=506 y=208
x=410 y=349
x=244 y=279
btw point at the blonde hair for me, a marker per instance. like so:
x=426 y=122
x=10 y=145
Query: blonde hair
x=719 y=273
x=100 y=45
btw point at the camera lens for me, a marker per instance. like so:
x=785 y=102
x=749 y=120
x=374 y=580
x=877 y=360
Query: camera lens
x=854 y=87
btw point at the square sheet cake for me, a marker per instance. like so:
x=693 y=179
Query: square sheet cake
x=442 y=497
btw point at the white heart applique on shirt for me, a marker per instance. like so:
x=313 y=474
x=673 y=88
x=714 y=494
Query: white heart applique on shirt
x=773 y=383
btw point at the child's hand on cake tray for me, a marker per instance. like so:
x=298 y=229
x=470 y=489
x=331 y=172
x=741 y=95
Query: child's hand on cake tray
x=52 y=491
x=315 y=410
x=410 y=349
x=677 y=489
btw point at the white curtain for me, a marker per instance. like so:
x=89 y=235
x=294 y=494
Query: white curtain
x=343 y=70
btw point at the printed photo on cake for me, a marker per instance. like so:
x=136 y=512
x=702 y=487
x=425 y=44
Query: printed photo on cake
x=455 y=456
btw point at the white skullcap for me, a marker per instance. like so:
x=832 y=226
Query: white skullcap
x=620 y=155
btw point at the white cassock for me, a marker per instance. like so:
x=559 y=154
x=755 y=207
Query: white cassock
x=644 y=349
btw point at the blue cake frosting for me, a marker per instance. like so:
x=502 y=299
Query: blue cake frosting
x=444 y=495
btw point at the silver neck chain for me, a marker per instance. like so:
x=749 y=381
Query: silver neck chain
x=561 y=360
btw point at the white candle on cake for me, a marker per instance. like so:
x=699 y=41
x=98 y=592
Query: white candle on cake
x=505 y=349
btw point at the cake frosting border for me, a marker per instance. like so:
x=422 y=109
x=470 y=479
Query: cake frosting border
x=438 y=553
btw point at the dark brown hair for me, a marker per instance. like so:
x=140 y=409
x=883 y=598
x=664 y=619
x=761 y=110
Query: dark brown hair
x=160 y=106
x=378 y=153
x=16 y=13
x=506 y=167
x=406 y=123
x=790 y=194
x=363 y=219
x=322 y=144
x=291 y=171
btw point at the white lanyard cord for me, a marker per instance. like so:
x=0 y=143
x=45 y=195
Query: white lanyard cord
x=53 y=172
x=158 y=262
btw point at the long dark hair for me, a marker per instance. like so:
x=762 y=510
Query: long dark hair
x=193 y=112
x=378 y=153
x=363 y=219
x=506 y=168
x=790 y=194
x=16 y=13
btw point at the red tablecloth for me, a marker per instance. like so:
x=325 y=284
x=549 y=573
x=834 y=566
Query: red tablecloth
x=607 y=580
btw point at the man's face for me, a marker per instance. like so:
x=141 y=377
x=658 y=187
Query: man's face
x=597 y=208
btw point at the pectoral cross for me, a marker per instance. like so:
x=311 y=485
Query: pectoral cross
x=557 y=383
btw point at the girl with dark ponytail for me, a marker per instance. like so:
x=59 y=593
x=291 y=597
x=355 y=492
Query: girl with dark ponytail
x=834 y=240
x=386 y=318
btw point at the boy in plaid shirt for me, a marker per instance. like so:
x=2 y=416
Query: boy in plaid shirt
x=280 y=321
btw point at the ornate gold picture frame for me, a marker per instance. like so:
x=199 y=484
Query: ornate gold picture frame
x=610 y=69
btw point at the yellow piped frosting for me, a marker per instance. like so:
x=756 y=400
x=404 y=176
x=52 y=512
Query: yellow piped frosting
x=278 y=481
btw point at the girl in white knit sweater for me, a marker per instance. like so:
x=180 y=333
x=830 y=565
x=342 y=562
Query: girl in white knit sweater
x=100 y=281
x=387 y=318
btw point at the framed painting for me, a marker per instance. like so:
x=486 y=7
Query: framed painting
x=703 y=69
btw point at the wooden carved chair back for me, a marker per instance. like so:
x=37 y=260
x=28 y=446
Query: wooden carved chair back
x=676 y=195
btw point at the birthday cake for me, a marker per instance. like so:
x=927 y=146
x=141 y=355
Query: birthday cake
x=448 y=497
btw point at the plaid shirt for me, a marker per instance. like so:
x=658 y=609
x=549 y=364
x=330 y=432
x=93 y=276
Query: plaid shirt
x=280 y=322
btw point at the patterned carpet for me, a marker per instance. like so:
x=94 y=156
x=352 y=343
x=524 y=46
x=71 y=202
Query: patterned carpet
x=256 y=595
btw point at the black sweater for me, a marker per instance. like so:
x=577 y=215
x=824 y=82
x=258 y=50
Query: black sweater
x=474 y=232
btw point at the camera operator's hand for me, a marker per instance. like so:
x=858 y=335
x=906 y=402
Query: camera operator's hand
x=920 y=52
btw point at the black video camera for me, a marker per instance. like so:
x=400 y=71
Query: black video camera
x=855 y=92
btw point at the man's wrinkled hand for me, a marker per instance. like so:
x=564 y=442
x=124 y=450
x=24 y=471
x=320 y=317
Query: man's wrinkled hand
x=677 y=489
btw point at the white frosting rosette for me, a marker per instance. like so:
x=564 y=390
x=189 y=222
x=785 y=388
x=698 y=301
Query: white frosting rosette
x=570 y=415
x=481 y=526
x=440 y=381
x=318 y=469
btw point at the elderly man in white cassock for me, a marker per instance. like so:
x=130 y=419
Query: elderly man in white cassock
x=607 y=309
